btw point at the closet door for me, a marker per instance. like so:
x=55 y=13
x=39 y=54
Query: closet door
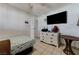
x=36 y=28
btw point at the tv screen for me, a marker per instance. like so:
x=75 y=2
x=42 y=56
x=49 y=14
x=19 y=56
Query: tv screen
x=57 y=18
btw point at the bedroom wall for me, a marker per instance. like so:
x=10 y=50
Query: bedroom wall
x=72 y=19
x=13 y=19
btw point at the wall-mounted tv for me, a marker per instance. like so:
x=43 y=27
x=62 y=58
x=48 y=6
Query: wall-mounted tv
x=57 y=18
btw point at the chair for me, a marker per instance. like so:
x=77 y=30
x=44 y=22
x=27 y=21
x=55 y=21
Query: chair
x=5 y=47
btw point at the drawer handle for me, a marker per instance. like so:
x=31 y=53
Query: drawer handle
x=42 y=36
x=52 y=34
x=51 y=38
x=51 y=41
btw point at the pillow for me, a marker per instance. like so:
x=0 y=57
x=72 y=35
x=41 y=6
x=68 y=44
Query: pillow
x=5 y=47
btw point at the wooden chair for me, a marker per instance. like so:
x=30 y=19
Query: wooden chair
x=5 y=47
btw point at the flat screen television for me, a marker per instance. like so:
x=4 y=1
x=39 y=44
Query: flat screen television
x=57 y=18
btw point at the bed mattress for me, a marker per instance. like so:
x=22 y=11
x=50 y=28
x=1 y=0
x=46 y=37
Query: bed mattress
x=18 y=42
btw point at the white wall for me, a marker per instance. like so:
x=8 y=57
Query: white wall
x=13 y=19
x=71 y=27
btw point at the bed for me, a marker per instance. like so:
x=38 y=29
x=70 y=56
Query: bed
x=18 y=42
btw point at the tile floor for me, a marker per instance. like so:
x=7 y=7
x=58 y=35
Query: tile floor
x=41 y=48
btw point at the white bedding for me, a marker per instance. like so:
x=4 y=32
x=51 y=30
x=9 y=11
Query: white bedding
x=18 y=42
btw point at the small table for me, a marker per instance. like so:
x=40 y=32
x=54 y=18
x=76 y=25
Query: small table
x=68 y=39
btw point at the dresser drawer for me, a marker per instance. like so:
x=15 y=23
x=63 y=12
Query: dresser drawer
x=51 y=42
x=44 y=33
x=51 y=34
x=44 y=38
x=49 y=37
x=48 y=41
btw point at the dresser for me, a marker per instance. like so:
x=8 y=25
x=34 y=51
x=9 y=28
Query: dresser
x=50 y=38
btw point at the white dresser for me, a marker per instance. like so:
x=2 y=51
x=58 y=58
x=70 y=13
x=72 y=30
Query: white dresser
x=50 y=38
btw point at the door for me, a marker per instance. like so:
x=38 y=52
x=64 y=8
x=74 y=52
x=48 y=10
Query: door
x=36 y=28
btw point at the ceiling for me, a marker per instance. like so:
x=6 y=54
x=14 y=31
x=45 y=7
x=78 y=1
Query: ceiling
x=38 y=9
